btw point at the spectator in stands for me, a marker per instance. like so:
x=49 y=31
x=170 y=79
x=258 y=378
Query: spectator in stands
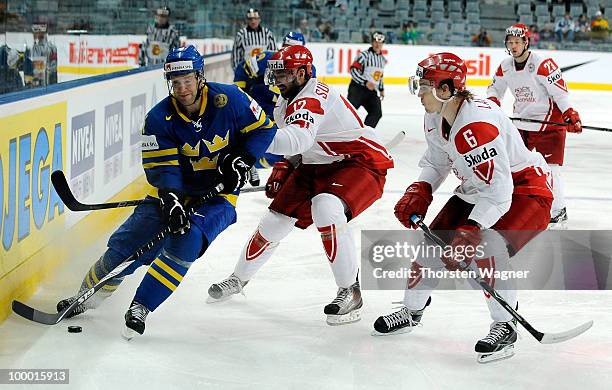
x=535 y=36
x=482 y=39
x=564 y=30
x=599 y=27
x=410 y=34
x=546 y=34
x=308 y=4
x=303 y=28
x=583 y=27
x=325 y=31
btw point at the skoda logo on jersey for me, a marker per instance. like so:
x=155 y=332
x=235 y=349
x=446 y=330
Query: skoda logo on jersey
x=197 y=125
x=478 y=158
x=555 y=77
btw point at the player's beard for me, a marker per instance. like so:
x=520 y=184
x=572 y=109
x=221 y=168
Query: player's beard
x=290 y=90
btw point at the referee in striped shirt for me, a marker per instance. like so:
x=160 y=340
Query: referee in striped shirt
x=252 y=39
x=367 y=78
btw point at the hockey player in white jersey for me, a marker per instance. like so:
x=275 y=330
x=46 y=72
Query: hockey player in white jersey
x=502 y=202
x=342 y=172
x=539 y=93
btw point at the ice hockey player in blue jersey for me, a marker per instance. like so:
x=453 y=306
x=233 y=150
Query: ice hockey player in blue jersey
x=202 y=134
x=249 y=76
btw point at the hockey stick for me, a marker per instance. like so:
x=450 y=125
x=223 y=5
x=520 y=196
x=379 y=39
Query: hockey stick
x=560 y=124
x=63 y=190
x=544 y=338
x=41 y=317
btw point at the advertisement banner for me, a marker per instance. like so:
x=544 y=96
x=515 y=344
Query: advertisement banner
x=582 y=70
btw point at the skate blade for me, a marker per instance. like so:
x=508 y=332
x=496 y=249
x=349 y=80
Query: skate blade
x=502 y=354
x=406 y=329
x=558 y=226
x=210 y=299
x=343 y=319
x=128 y=333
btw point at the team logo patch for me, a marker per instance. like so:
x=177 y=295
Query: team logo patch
x=220 y=100
x=531 y=68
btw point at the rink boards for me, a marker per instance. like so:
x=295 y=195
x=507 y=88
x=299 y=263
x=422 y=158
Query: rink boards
x=91 y=130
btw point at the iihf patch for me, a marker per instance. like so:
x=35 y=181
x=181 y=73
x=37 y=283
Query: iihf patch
x=220 y=100
x=255 y=108
x=531 y=68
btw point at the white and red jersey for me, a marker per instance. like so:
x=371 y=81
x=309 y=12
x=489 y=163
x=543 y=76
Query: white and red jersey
x=322 y=126
x=486 y=152
x=539 y=90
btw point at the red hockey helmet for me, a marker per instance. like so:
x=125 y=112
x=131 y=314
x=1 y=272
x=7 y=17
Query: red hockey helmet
x=517 y=30
x=440 y=67
x=289 y=57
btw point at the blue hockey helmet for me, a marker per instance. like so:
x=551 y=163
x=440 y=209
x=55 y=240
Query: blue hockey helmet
x=183 y=60
x=294 y=38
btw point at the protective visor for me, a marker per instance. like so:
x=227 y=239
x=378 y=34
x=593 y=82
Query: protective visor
x=417 y=84
x=279 y=76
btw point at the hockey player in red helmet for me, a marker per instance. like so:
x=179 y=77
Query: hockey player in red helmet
x=342 y=172
x=504 y=188
x=289 y=69
x=540 y=93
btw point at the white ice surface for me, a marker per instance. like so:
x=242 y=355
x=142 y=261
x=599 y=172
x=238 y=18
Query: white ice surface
x=277 y=338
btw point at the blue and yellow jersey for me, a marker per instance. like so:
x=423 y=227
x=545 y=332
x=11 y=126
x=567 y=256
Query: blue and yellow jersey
x=249 y=76
x=182 y=154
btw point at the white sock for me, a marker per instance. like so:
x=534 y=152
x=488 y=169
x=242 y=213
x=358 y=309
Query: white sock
x=329 y=217
x=272 y=228
x=558 y=190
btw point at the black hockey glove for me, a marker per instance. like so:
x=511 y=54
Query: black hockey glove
x=234 y=170
x=174 y=212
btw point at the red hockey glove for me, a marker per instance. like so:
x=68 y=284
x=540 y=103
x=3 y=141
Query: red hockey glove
x=467 y=238
x=416 y=200
x=494 y=100
x=280 y=172
x=571 y=117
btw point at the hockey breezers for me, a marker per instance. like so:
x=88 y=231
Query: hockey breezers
x=543 y=338
x=393 y=142
x=32 y=314
x=560 y=124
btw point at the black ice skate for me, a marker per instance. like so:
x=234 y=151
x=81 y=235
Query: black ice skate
x=135 y=320
x=254 y=177
x=402 y=321
x=499 y=343
x=344 y=309
x=91 y=303
x=559 y=220
x=224 y=290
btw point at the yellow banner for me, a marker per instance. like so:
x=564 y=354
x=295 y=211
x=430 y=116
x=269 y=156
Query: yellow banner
x=32 y=145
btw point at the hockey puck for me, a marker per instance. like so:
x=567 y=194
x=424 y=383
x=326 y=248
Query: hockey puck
x=74 y=329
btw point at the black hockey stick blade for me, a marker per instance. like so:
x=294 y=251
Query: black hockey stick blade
x=560 y=124
x=41 y=317
x=63 y=190
x=544 y=338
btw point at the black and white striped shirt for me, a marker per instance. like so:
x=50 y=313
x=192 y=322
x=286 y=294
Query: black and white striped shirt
x=249 y=43
x=369 y=66
x=159 y=42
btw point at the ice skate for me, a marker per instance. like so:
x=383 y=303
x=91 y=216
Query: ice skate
x=344 y=309
x=224 y=290
x=254 y=176
x=498 y=344
x=559 y=220
x=402 y=321
x=91 y=303
x=135 y=320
